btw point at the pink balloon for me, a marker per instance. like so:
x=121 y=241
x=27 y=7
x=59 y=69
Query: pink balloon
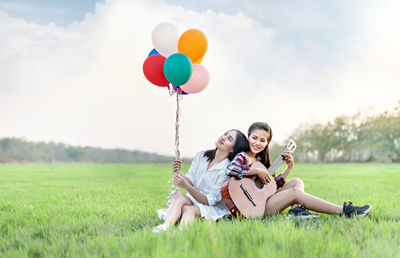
x=198 y=81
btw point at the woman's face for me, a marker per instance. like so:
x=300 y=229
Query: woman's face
x=226 y=142
x=258 y=140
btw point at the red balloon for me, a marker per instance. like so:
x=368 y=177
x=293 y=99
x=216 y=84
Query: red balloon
x=153 y=69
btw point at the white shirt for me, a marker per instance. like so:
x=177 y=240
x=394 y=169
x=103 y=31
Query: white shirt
x=209 y=182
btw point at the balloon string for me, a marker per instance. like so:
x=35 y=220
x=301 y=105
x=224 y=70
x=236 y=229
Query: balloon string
x=171 y=91
x=178 y=113
x=179 y=97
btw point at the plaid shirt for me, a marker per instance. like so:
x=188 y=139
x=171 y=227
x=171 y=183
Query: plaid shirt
x=239 y=167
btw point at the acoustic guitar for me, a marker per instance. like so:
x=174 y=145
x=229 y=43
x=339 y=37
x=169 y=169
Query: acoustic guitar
x=246 y=197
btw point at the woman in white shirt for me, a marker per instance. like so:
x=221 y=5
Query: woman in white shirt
x=203 y=182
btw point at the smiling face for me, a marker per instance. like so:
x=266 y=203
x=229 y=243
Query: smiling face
x=258 y=140
x=226 y=142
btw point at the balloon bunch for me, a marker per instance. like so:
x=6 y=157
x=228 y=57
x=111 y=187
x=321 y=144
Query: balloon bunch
x=176 y=59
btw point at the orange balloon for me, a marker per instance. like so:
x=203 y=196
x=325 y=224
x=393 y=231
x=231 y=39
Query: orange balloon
x=193 y=43
x=198 y=61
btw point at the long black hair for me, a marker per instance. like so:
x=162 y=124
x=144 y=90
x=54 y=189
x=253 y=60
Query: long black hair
x=263 y=156
x=241 y=144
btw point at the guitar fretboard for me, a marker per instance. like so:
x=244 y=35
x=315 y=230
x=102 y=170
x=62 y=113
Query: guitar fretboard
x=291 y=146
x=275 y=165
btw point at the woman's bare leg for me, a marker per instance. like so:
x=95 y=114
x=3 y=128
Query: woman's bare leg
x=280 y=200
x=189 y=213
x=294 y=183
x=175 y=210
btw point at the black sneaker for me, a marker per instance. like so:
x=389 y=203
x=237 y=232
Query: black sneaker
x=350 y=210
x=302 y=213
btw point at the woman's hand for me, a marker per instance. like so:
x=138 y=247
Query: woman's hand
x=262 y=172
x=179 y=180
x=177 y=165
x=289 y=159
x=265 y=176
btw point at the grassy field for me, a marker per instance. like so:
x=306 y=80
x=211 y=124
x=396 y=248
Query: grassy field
x=109 y=210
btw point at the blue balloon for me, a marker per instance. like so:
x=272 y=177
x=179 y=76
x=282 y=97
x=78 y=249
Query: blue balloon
x=153 y=52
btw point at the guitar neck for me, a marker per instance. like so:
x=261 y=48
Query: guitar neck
x=291 y=147
x=277 y=162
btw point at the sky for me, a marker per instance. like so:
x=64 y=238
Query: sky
x=71 y=71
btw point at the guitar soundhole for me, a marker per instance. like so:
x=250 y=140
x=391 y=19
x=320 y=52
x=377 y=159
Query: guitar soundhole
x=258 y=183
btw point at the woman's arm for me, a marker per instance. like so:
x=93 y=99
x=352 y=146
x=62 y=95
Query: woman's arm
x=259 y=170
x=281 y=179
x=201 y=198
x=179 y=180
x=191 y=174
x=290 y=163
x=238 y=167
x=176 y=167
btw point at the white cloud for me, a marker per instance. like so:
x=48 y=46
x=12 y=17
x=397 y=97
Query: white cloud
x=83 y=84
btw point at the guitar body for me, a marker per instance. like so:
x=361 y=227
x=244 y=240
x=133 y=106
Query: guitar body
x=239 y=204
x=246 y=197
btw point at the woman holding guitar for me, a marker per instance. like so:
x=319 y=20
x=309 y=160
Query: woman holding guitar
x=290 y=194
x=203 y=182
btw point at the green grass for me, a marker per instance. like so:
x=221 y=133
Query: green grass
x=109 y=210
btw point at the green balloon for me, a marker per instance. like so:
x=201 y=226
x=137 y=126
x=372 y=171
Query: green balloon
x=178 y=69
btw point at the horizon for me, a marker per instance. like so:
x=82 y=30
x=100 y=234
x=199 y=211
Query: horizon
x=371 y=112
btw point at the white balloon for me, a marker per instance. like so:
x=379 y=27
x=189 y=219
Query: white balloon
x=165 y=38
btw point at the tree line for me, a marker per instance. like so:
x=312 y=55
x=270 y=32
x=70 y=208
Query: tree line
x=356 y=138
x=18 y=150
